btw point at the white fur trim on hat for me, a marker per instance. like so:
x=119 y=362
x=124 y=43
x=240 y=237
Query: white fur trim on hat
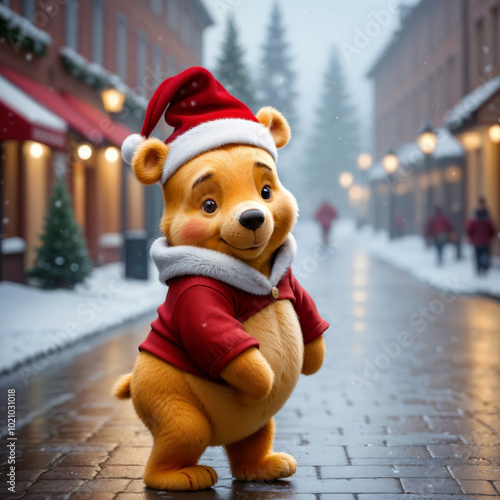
x=129 y=147
x=214 y=134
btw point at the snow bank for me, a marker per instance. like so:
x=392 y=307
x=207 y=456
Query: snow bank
x=35 y=322
x=411 y=255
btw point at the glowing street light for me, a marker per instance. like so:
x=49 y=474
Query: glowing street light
x=365 y=161
x=390 y=162
x=427 y=139
x=356 y=193
x=346 y=179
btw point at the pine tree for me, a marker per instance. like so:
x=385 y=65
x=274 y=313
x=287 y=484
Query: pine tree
x=63 y=259
x=231 y=69
x=334 y=145
x=277 y=80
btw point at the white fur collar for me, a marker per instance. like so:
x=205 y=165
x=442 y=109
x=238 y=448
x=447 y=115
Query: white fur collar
x=193 y=261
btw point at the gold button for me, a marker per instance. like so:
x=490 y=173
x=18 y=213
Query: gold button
x=275 y=292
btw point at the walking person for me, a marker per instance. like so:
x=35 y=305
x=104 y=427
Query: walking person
x=481 y=231
x=438 y=230
x=325 y=215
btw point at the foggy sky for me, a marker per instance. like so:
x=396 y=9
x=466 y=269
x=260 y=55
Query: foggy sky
x=313 y=27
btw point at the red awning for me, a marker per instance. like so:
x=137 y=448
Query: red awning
x=112 y=131
x=23 y=119
x=52 y=99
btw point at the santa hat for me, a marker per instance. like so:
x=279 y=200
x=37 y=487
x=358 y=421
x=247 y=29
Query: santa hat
x=204 y=117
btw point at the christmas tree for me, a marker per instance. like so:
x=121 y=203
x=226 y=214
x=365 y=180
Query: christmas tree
x=334 y=145
x=277 y=80
x=63 y=259
x=231 y=69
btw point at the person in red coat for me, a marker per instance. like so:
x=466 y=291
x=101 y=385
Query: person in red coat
x=438 y=230
x=481 y=230
x=325 y=215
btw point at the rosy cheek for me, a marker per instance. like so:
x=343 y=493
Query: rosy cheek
x=194 y=231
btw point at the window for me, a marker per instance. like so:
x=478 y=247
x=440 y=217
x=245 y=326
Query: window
x=97 y=15
x=142 y=61
x=28 y=9
x=157 y=65
x=72 y=24
x=173 y=9
x=121 y=46
x=480 y=46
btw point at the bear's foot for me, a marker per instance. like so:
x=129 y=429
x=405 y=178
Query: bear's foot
x=272 y=466
x=194 y=478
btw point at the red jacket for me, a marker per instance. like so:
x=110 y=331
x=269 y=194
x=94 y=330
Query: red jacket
x=326 y=214
x=438 y=225
x=480 y=229
x=199 y=326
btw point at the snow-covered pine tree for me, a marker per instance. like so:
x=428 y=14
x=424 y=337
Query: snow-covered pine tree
x=63 y=259
x=231 y=69
x=334 y=145
x=277 y=80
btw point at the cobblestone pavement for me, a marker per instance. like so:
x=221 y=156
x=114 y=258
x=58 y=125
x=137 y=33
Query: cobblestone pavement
x=403 y=409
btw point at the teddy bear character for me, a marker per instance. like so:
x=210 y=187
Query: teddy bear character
x=236 y=329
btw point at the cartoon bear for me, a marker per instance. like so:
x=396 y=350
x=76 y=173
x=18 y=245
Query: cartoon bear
x=236 y=329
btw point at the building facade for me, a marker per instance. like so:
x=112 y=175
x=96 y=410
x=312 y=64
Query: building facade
x=57 y=59
x=441 y=66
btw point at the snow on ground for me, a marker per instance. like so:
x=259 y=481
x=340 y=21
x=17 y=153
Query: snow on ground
x=410 y=255
x=35 y=322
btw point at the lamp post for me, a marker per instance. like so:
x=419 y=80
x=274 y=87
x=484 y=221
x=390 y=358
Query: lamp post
x=427 y=142
x=365 y=162
x=390 y=162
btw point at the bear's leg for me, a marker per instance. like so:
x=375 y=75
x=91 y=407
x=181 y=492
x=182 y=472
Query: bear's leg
x=253 y=459
x=181 y=434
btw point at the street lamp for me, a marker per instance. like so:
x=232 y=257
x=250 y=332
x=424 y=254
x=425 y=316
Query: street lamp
x=427 y=142
x=390 y=162
x=112 y=99
x=346 y=179
x=365 y=161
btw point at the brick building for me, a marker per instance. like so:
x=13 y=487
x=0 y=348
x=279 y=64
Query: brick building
x=441 y=65
x=57 y=57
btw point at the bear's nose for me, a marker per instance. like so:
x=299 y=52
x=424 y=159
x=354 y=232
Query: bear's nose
x=252 y=219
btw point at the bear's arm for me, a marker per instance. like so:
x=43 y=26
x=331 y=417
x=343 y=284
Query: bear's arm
x=314 y=355
x=312 y=325
x=250 y=373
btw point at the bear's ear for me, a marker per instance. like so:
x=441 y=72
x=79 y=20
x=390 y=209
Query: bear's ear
x=277 y=125
x=149 y=159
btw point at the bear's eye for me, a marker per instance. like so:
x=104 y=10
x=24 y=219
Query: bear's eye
x=209 y=206
x=266 y=192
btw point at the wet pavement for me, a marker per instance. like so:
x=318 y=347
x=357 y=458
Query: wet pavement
x=406 y=406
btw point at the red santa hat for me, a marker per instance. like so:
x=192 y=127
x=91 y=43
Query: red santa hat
x=204 y=117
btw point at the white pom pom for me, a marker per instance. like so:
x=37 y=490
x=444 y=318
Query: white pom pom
x=129 y=147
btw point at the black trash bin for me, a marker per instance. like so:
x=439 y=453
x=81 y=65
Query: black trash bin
x=136 y=255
